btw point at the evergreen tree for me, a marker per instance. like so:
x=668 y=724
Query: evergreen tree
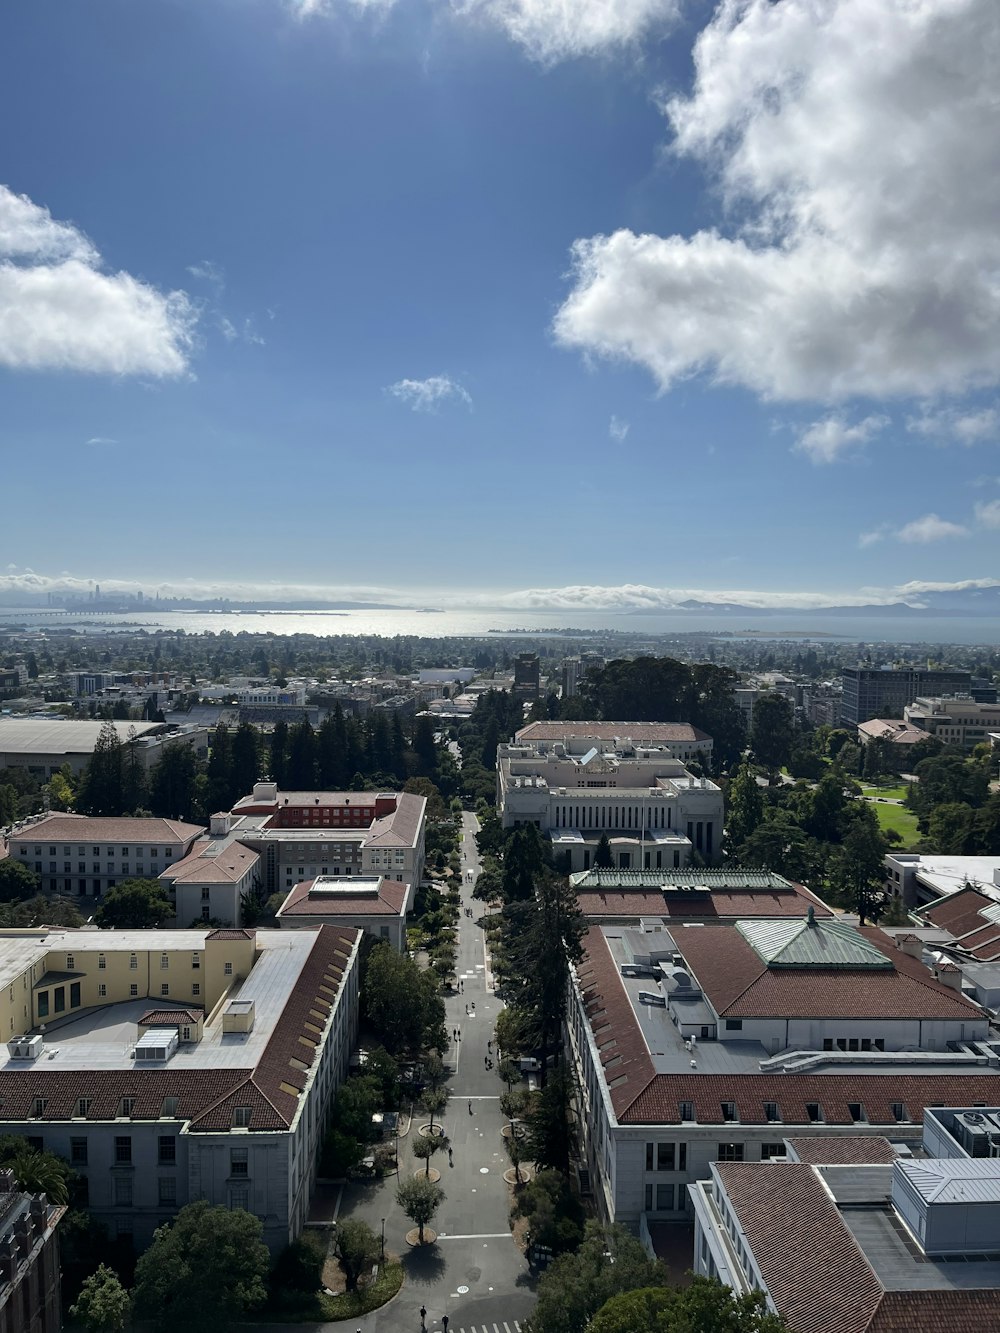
x=245 y=760
x=279 y=754
x=102 y=786
x=746 y=805
x=302 y=757
x=772 y=731
x=603 y=860
x=219 y=791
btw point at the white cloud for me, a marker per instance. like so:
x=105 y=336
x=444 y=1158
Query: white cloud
x=98 y=440
x=830 y=438
x=988 y=514
x=930 y=528
x=856 y=144
x=951 y=424
x=208 y=271
x=872 y=538
x=60 y=310
x=618 y=429
x=314 y=8
x=553 y=30
x=426 y=395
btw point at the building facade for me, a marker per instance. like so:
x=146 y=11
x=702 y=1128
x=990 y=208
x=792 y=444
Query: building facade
x=30 y=1278
x=959 y=720
x=885 y=691
x=375 y=904
x=577 y=781
x=169 y=1066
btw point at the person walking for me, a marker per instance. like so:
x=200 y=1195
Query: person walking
x=470 y=1107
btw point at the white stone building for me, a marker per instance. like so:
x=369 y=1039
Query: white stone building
x=955 y=719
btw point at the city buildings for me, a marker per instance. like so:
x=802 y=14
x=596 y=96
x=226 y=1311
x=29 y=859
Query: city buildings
x=900 y=736
x=885 y=691
x=919 y=879
x=168 y=1066
x=578 y=780
x=216 y=877
x=697 y=1045
x=959 y=720
x=29 y=1260
x=527 y=681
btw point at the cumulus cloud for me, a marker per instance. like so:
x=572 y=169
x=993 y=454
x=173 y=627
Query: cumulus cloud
x=949 y=424
x=427 y=395
x=856 y=145
x=61 y=310
x=618 y=429
x=830 y=438
x=930 y=528
x=552 y=30
x=988 y=514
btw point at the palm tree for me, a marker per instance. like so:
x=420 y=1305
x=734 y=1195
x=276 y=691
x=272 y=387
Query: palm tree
x=40 y=1173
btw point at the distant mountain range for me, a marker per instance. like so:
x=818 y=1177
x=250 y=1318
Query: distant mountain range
x=951 y=602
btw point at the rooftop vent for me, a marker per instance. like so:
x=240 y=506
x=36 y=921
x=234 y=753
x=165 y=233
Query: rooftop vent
x=26 y=1048
x=238 y=1016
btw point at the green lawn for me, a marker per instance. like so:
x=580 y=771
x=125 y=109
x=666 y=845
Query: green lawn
x=899 y=818
x=896 y=791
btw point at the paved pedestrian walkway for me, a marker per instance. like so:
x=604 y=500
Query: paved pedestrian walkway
x=474 y=1274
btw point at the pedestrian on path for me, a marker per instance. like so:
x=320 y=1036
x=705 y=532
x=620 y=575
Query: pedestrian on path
x=486 y=1061
x=470 y=1108
x=450 y=1162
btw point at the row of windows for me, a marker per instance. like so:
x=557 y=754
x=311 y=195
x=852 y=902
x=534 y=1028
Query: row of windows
x=154 y=852
x=773 y=1115
x=666 y=1156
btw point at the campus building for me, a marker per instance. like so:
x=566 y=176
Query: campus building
x=699 y=1044
x=373 y=903
x=885 y=691
x=30 y=1278
x=959 y=720
x=887 y=1238
x=627 y=780
x=44 y=745
x=304 y=835
x=169 y=1066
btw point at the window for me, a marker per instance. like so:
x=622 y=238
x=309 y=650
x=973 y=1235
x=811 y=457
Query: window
x=682 y=1157
x=649 y=1156
x=167 y=1187
x=133 y=962
x=196 y=989
x=239 y=1161
x=123 y=1191
x=649 y=1199
x=102 y=962
x=164 y=987
x=664 y=1157
x=127 y=1104
x=241 y=1117
x=206 y=912
x=195 y=961
x=687 y=1110
x=814 y=1111
x=769 y=1150
x=771 y=1114
x=239 y=1196
x=164 y=961
x=734 y=1024
x=102 y=991
x=59 y=999
x=899 y=1112
x=206 y=894
x=38 y=1105
x=664 y=1198
x=43 y=1004
x=228 y=969
x=74 y=995
x=166 y=1146
x=123 y=1150
x=730 y=1152
x=857 y=1111
x=827 y=1043
x=729 y=1111
x=133 y=990
x=70 y=963
x=82 y=1107
x=78 y=1151
x=124 y=851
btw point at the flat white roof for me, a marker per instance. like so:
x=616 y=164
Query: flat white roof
x=39 y=735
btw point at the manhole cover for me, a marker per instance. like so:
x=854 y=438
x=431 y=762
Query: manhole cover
x=463 y=1291
x=484 y=1170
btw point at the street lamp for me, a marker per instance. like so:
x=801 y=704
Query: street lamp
x=383 y=1240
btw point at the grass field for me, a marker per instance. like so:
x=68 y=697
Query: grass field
x=899 y=818
x=896 y=791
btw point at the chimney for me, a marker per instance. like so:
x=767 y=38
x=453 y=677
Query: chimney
x=910 y=945
x=810 y=915
x=949 y=975
x=219 y=825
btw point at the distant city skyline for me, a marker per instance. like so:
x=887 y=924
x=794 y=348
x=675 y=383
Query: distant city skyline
x=503 y=298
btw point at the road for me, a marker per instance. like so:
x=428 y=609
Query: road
x=474 y=1274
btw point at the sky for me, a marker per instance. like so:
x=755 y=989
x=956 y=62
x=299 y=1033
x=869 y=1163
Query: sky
x=500 y=295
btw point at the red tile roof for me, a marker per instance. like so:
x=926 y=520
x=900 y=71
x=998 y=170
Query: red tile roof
x=851 y=1150
x=80 y=829
x=389 y=901
x=232 y=933
x=739 y=983
x=170 y=1017
x=812 y=1266
x=721 y=904
x=231 y=864
x=954 y=1311
x=961 y=913
x=206 y=1097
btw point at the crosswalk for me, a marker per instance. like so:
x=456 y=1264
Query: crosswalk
x=514 y=1327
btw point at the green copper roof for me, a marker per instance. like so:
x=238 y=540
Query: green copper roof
x=811 y=943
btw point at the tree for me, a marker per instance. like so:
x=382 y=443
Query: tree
x=575 y=1286
x=858 y=872
x=706 y=1306
x=103 y=1303
x=245 y=759
x=357 y=1247
x=17 y=881
x=772 y=731
x=603 y=860
x=299 y=1266
x=176 y=788
x=402 y=1002
x=101 y=787
x=37 y=1172
x=420 y=1199
x=746 y=805
x=550 y=1129
x=426 y=1145
x=204 y=1271
x=554 y=1215
x=433 y=1101
x=134 y=904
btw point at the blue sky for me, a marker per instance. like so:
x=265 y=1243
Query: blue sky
x=435 y=295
